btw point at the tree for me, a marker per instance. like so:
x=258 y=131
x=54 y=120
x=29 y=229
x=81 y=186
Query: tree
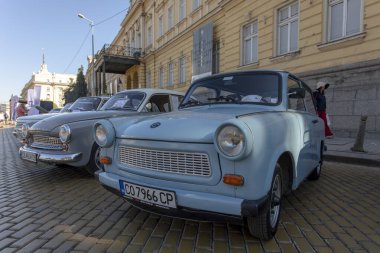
x=77 y=89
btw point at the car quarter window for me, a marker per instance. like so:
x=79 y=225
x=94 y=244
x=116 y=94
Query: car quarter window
x=295 y=103
x=309 y=100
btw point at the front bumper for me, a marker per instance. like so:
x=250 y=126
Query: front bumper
x=52 y=156
x=193 y=205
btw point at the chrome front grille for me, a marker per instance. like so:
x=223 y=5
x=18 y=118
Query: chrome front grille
x=46 y=142
x=185 y=163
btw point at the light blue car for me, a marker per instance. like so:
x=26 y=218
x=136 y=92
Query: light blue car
x=238 y=143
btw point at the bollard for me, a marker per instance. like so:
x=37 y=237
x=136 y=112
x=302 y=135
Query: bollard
x=358 y=146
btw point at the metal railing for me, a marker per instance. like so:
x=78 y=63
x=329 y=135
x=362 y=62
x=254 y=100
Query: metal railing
x=116 y=50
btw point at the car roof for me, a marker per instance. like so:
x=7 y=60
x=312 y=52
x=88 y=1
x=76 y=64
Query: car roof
x=242 y=72
x=150 y=91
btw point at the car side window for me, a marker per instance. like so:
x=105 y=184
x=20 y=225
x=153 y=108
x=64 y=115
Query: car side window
x=157 y=103
x=309 y=101
x=295 y=103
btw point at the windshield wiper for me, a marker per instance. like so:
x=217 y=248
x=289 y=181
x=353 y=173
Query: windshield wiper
x=190 y=103
x=120 y=108
x=229 y=98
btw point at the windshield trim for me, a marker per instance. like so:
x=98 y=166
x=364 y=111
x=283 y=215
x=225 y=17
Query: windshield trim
x=183 y=105
x=126 y=93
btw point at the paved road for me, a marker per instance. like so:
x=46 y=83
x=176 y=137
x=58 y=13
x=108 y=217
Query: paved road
x=44 y=208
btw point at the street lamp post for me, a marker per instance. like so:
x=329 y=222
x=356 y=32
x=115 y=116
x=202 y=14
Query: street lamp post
x=91 y=23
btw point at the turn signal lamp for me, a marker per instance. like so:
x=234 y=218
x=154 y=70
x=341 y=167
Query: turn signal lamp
x=105 y=160
x=235 y=180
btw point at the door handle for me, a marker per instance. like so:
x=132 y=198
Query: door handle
x=315 y=121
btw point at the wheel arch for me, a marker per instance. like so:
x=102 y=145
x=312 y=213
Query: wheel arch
x=286 y=162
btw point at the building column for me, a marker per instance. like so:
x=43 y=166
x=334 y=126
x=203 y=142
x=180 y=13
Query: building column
x=142 y=75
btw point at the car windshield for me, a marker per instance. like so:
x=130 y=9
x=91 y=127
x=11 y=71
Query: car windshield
x=85 y=104
x=130 y=100
x=238 y=88
x=66 y=107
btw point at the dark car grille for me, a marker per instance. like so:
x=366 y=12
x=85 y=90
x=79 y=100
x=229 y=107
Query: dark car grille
x=185 y=163
x=46 y=142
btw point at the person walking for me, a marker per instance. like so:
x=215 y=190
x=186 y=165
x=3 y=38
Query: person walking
x=5 y=118
x=319 y=95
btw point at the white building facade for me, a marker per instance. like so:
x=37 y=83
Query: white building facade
x=52 y=85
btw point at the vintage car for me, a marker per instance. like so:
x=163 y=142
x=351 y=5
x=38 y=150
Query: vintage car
x=238 y=143
x=68 y=138
x=96 y=103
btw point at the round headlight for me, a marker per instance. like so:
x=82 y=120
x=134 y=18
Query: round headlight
x=100 y=135
x=24 y=130
x=64 y=133
x=104 y=133
x=231 y=141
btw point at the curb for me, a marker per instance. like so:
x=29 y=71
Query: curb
x=352 y=160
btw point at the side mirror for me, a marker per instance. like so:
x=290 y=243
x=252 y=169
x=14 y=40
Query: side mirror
x=296 y=93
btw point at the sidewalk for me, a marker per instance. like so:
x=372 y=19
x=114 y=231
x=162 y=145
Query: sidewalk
x=339 y=150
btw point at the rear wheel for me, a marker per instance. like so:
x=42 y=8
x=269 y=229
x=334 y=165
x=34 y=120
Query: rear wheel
x=316 y=173
x=94 y=163
x=264 y=226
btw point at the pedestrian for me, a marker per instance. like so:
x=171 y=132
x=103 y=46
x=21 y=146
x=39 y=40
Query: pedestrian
x=21 y=109
x=319 y=95
x=1 y=118
x=5 y=118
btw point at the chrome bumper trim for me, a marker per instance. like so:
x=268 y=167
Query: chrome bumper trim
x=52 y=158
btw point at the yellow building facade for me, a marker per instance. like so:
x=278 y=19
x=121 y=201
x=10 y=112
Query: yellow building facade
x=337 y=41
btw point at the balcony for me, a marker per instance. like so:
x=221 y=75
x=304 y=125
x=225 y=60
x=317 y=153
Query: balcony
x=116 y=59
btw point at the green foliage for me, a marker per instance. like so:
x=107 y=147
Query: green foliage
x=77 y=89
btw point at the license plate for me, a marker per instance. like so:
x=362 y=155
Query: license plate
x=29 y=156
x=148 y=195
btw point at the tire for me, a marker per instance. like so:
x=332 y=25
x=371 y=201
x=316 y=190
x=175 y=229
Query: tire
x=316 y=173
x=264 y=226
x=94 y=164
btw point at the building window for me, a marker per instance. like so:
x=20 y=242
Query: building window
x=250 y=44
x=182 y=70
x=182 y=9
x=161 y=77
x=160 y=26
x=216 y=57
x=149 y=37
x=344 y=18
x=288 y=29
x=148 y=80
x=47 y=89
x=196 y=4
x=170 y=74
x=170 y=17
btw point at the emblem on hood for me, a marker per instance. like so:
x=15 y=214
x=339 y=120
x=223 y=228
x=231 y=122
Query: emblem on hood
x=154 y=125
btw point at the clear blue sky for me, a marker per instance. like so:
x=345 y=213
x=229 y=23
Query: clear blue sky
x=27 y=26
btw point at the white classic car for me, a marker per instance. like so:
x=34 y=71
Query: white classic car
x=238 y=143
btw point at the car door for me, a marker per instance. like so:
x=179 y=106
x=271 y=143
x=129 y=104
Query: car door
x=317 y=125
x=296 y=105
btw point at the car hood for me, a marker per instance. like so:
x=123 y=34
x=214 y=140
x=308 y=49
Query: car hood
x=183 y=126
x=65 y=118
x=35 y=118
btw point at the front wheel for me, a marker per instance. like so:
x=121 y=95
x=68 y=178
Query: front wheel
x=264 y=226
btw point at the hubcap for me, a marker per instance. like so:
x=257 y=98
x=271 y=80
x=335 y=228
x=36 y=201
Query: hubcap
x=319 y=169
x=275 y=201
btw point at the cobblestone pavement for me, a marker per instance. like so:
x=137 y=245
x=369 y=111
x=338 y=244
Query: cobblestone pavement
x=44 y=208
